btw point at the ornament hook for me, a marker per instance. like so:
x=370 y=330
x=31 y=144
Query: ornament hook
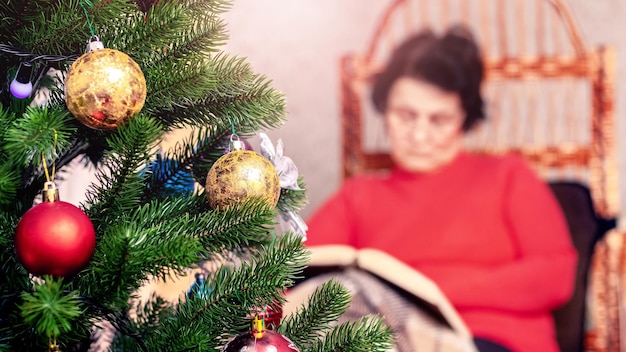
x=94 y=43
x=236 y=143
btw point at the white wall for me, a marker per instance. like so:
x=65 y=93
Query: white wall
x=297 y=43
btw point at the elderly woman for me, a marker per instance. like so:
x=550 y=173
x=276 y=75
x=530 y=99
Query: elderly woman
x=486 y=229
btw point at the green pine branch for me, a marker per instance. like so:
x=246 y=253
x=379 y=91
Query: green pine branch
x=313 y=320
x=164 y=238
x=41 y=131
x=223 y=91
x=14 y=279
x=42 y=312
x=148 y=223
x=293 y=200
x=148 y=315
x=363 y=335
x=119 y=185
x=245 y=225
x=40 y=134
x=195 y=155
x=236 y=291
x=48 y=309
x=167 y=177
x=179 y=31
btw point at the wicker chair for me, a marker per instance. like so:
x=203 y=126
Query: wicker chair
x=550 y=98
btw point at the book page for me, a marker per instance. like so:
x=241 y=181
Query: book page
x=395 y=272
x=400 y=274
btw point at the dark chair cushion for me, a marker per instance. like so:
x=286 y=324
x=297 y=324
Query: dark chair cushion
x=586 y=229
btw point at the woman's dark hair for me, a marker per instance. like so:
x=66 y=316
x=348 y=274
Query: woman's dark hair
x=452 y=62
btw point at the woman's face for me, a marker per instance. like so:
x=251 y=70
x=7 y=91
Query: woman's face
x=424 y=125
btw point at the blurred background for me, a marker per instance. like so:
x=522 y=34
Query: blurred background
x=298 y=44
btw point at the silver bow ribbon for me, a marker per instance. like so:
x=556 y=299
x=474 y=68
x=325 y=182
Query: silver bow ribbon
x=288 y=175
x=286 y=168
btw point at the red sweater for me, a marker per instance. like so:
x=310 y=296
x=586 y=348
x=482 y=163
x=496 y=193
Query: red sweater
x=486 y=229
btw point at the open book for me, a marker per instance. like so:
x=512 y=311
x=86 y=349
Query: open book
x=395 y=272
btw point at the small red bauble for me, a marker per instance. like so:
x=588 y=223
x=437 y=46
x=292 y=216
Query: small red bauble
x=270 y=341
x=273 y=315
x=260 y=340
x=54 y=238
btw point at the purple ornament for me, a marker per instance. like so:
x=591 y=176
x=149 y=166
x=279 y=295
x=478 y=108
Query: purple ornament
x=21 y=90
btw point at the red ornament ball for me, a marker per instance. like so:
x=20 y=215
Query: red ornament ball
x=273 y=315
x=54 y=238
x=270 y=341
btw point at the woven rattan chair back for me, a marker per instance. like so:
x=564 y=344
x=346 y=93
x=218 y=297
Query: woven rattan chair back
x=549 y=97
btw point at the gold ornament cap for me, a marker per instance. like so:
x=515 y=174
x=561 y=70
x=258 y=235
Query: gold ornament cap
x=258 y=327
x=50 y=192
x=53 y=347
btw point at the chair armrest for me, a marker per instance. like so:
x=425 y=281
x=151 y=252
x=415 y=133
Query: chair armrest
x=606 y=301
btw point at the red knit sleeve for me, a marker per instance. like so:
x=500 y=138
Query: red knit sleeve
x=332 y=222
x=542 y=276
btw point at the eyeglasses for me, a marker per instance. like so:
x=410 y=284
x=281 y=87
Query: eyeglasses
x=409 y=119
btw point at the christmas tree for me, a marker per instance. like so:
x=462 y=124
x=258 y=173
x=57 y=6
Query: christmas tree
x=102 y=82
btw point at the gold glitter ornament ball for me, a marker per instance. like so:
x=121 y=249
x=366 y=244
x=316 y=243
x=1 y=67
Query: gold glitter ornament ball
x=241 y=175
x=104 y=88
